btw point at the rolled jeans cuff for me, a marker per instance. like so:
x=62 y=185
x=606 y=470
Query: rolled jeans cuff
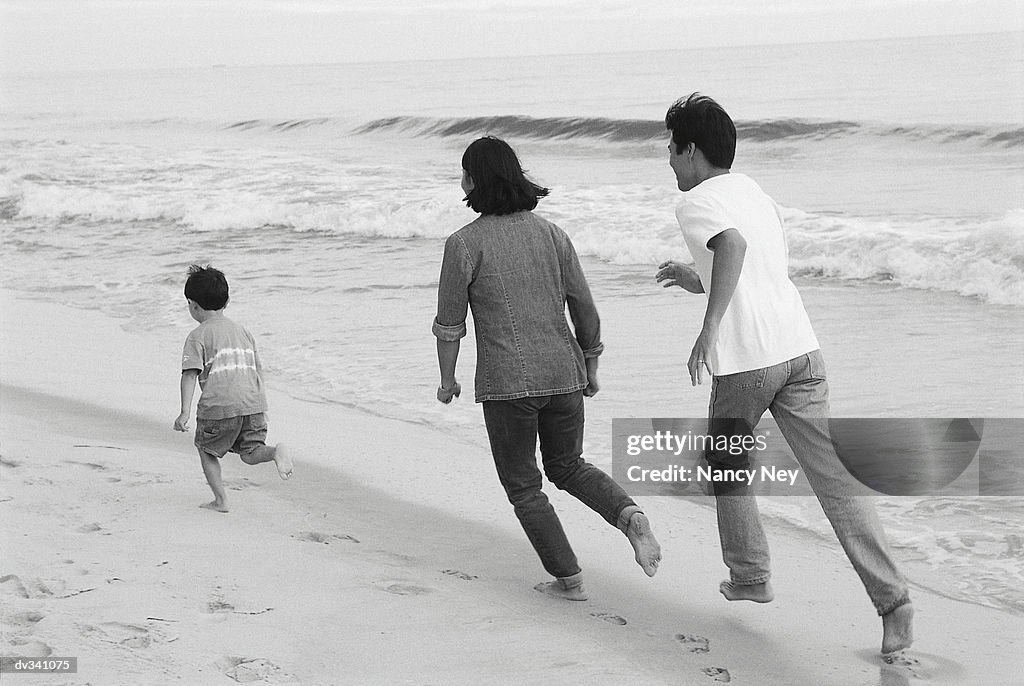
x=593 y=352
x=448 y=333
x=899 y=602
x=763 y=578
x=625 y=515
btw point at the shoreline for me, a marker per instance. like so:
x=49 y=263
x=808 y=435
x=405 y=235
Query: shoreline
x=392 y=539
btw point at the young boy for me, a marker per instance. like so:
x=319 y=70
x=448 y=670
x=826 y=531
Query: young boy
x=222 y=356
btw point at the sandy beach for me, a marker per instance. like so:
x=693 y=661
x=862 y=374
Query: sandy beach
x=391 y=557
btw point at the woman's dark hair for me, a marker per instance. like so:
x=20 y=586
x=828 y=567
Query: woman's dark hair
x=499 y=185
x=207 y=287
x=700 y=120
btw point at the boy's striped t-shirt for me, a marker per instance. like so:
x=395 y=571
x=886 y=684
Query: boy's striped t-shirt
x=229 y=369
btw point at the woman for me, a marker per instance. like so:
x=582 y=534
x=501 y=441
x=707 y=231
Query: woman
x=517 y=272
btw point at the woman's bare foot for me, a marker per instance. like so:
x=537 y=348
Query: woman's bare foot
x=646 y=547
x=898 y=629
x=283 y=461
x=759 y=593
x=557 y=590
x=215 y=506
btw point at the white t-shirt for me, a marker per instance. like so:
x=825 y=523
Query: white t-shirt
x=765 y=323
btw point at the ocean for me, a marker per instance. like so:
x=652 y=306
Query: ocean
x=325 y=193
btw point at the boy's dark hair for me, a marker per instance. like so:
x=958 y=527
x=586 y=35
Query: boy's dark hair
x=499 y=184
x=207 y=287
x=700 y=120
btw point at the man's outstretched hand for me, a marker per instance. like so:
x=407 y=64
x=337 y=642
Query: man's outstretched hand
x=675 y=274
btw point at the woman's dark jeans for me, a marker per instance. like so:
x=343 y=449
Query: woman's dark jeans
x=513 y=427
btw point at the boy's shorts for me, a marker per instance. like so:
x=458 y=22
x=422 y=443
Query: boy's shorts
x=239 y=435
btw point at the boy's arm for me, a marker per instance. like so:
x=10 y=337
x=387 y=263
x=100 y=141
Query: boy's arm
x=730 y=248
x=188 y=389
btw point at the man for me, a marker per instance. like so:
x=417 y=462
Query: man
x=760 y=349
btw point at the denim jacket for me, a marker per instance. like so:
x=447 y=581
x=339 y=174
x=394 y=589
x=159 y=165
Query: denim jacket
x=517 y=272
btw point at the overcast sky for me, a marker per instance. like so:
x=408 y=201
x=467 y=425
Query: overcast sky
x=101 y=34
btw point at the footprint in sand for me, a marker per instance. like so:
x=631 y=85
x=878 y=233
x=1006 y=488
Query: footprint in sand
x=719 y=674
x=50 y=587
x=130 y=635
x=39 y=588
x=407 y=589
x=246 y=670
x=30 y=647
x=610 y=618
x=89 y=528
x=693 y=643
x=25 y=620
x=218 y=605
x=459 y=575
x=901 y=659
x=12 y=585
x=9 y=463
x=908 y=666
x=317 y=537
x=123 y=634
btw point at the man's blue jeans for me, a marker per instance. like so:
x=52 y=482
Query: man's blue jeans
x=796 y=393
x=513 y=427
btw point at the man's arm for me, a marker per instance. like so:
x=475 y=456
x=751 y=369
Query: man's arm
x=188 y=389
x=730 y=248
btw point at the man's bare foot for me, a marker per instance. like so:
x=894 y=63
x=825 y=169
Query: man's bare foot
x=759 y=593
x=648 y=552
x=215 y=506
x=283 y=461
x=558 y=590
x=898 y=629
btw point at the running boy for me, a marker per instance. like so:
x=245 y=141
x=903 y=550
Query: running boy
x=222 y=356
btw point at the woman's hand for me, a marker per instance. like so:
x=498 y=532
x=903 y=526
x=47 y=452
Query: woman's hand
x=592 y=384
x=445 y=395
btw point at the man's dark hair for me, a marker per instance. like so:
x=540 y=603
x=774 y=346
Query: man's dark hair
x=207 y=287
x=499 y=184
x=700 y=120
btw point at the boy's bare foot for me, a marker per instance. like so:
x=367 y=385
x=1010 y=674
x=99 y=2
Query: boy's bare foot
x=898 y=629
x=648 y=552
x=215 y=506
x=283 y=461
x=558 y=590
x=759 y=593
